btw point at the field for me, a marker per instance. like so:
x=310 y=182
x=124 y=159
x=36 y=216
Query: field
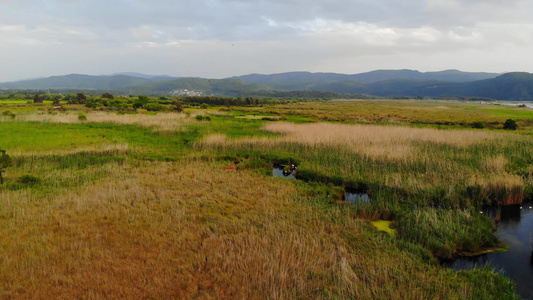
x=112 y=204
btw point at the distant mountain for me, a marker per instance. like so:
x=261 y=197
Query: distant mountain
x=447 y=75
x=305 y=80
x=510 y=86
x=227 y=87
x=76 y=81
x=145 y=76
x=516 y=86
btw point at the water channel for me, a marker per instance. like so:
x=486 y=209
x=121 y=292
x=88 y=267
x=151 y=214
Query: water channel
x=515 y=228
x=528 y=105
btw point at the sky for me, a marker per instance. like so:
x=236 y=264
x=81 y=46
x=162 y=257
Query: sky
x=223 y=38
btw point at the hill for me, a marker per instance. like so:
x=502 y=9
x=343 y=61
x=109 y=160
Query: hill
x=74 y=81
x=306 y=80
x=517 y=86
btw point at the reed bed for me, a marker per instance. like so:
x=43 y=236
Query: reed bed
x=148 y=206
x=438 y=163
x=191 y=230
x=159 y=122
x=454 y=113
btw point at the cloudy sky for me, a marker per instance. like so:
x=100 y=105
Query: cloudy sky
x=221 y=38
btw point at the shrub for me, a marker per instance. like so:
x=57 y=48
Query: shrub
x=203 y=118
x=478 y=125
x=510 y=124
x=140 y=102
x=155 y=107
x=82 y=117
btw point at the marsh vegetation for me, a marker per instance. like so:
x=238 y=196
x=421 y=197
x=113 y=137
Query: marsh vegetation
x=165 y=204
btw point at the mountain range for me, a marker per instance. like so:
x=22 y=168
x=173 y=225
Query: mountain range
x=517 y=86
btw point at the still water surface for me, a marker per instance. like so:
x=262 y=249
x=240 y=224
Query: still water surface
x=516 y=230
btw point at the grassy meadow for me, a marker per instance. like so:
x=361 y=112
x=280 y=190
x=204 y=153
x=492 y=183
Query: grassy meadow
x=141 y=204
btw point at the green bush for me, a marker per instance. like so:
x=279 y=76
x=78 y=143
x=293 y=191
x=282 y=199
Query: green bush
x=478 y=125
x=510 y=124
x=82 y=117
x=155 y=107
x=203 y=118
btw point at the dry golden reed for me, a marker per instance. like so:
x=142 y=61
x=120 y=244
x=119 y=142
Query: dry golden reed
x=374 y=141
x=160 y=121
x=190 y=230
x=117 y=149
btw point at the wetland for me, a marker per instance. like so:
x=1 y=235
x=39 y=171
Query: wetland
x=129 y=202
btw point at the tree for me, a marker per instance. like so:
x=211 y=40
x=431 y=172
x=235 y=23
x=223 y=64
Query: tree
x=5 y=161
x=81 y=98
x=57 y=100
x=510 y=124
x=140 y=102
x=107 y=96
x=178 y=106
x=37 y=99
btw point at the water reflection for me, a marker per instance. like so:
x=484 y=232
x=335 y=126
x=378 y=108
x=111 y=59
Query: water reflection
x=514 y=228
x=284 y=171
x=357 y=197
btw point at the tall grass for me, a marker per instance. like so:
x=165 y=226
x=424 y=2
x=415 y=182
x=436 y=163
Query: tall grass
x=404 y=168
x=191 y=230
x=162 y=122
x=419 y=161
x=447 y=232
x=131 y=207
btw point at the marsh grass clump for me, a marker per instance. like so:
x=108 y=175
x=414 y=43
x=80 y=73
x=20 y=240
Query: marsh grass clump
x=203 y=118
x=28 y=179
x=24 y=182
x=5 y=162
x=447 y=232
x=336 y=194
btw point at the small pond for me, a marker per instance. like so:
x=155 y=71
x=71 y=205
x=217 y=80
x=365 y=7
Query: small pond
x=284 y=171
x=352 y=196
x=515 y=228
x=356 y=197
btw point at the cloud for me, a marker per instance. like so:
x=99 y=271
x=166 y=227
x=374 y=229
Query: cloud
x=214 y=38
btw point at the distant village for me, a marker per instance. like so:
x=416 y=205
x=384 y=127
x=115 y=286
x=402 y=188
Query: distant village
x=186 y=92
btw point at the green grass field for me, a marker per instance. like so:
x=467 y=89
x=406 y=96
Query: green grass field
x=162 y=205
